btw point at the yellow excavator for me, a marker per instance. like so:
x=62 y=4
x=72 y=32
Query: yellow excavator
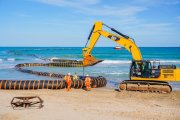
x=145 y=75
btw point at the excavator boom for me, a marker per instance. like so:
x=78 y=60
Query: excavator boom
x=119 y=38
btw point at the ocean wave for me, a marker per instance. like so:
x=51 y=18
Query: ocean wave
x=37 y=49
x=111 y=73
x=17 y=52
x=170 y=61
x=11 y=59
x=56 y=58
x=116 y=62
x=128 y=61
x=37 y=59
x=117 y=73
x=53 y=58
x=42 y=49
x=14 y=59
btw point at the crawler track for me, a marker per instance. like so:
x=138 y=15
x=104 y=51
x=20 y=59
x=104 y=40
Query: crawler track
x=145 y=86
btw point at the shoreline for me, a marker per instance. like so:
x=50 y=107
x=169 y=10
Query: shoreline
x=100 y=103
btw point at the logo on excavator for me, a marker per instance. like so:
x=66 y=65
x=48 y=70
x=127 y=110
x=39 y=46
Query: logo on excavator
x=115 y=38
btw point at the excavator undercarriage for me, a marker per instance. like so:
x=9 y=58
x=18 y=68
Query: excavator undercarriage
x=145 y=86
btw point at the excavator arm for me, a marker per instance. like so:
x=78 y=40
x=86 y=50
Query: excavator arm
x=119 y=38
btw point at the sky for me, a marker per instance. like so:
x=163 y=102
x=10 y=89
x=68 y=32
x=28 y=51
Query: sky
x=67 y=23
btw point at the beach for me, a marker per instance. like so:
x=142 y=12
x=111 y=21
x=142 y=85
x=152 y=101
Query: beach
x=98 y=104
x=126 y=52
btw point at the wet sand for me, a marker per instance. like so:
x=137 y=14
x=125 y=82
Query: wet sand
x=98 y=104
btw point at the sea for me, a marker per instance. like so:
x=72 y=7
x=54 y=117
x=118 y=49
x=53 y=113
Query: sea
x=115 y=67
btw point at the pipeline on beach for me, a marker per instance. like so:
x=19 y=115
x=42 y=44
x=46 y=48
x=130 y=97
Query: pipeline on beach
x=50 y=84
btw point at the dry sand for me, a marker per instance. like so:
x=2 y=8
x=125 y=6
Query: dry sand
x=98 y=104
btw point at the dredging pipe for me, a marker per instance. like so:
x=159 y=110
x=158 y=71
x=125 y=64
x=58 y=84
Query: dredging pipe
x=50 y=84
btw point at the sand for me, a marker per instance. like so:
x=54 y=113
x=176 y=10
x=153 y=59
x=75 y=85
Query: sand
x=98 y=104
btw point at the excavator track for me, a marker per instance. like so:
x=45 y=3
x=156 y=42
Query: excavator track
x=145 y=86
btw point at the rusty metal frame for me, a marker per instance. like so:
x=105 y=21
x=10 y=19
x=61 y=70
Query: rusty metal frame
x=27 y=102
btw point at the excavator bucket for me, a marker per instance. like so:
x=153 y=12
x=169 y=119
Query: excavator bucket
x=90 y=61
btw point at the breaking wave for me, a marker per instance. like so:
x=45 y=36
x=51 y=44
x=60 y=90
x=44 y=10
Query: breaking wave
x=116 y=62
x=170 y=61
x=128 y=61
x=11 y=59
x=117 y=73
x=111 y=73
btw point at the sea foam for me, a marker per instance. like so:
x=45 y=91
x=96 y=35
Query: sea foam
x=116 y=62
x=170 y=61
x=128 y=61
x=11 y=59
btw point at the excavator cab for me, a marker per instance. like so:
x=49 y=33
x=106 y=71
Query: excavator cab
x=145 y=69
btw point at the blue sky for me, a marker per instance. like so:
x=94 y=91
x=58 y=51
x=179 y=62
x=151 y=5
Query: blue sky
x=68 y=22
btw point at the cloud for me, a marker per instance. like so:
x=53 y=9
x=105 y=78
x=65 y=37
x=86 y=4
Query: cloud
x=124 y=14
x=92 y=7
x=70 y=3
x=153 y=29
x=149 y=3
x=156 y=25
x=113 y=11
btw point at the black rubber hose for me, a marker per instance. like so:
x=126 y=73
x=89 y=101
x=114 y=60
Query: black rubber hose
x=49 y=84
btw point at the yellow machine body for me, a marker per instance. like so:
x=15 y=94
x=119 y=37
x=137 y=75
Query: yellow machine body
x=172 y=75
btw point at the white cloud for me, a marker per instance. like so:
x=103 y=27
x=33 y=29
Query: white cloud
x=152 y=29
x=70 y=3
x=124 y=14
x=113 y=11
x=156 y=25
x=91 y=7
x=149 y=3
